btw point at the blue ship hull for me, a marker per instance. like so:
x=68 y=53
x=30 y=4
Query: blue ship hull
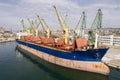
x=94 y=55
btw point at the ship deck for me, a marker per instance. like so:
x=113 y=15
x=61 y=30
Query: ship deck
x=88 y=55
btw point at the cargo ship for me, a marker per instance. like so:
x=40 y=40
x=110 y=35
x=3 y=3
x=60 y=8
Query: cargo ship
x=78 y=55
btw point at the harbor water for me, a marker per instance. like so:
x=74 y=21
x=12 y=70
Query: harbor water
x=16 y=65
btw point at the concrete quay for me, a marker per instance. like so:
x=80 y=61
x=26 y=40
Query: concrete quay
x=112 y=57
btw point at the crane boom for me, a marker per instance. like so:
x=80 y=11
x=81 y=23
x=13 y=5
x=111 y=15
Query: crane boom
x=25 y=28
x=65 y=19
x=59 y=17
x=83 y=24
x=31 y=23
x=33 y=27
x=97 y=23
x=46 y=29
x=64 y=28
x=42 y=22
x=36 y=24
x=82 y=20
x=96 y=26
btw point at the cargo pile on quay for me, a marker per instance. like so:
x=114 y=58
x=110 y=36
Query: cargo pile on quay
x=77 y=52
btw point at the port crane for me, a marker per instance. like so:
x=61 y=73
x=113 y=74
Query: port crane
x=97 y=23
x=82 y=20
x=96 y=26
x=63 y=26
x=34 y=26
x=25 y=28
x=45 y=28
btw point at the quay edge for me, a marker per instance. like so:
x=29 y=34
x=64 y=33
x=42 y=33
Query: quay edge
x=91 y=66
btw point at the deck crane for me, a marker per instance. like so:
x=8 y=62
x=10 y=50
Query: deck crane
x=36 y=24
x=25 y=28
x=45 y=28
x=63 y=26
x=35 y=29
x=82 y=20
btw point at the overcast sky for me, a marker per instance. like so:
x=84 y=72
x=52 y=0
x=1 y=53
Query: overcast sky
x=12 y=11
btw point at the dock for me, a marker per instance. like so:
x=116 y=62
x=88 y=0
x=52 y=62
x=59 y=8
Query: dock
x=112 y=57
x=7 y=39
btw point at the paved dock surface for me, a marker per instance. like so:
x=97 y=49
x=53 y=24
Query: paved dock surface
x=112 y=57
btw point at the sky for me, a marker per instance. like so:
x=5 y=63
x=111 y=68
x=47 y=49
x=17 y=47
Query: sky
x=13 y=11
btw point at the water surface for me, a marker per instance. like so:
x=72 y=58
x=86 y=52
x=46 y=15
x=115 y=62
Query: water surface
x=15 y=65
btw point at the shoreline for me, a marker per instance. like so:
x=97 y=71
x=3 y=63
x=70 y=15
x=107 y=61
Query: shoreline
x=7 y=40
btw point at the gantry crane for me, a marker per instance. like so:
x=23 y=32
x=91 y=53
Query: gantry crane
x=35 y=29
x=25 y=28
x=45 y=28
x=63 y=26
x=82 y=20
